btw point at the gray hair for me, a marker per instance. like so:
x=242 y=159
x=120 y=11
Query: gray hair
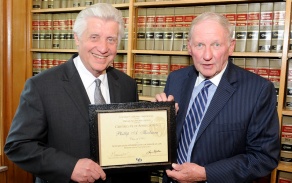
x=223 y=21
x=100 y=10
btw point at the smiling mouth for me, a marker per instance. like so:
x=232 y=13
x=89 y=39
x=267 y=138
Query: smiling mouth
x=98 y=56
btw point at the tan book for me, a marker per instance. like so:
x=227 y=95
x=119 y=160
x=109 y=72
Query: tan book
x=253 y=27
x=263 y=67
x=266 y=23
x=285 y=177
x=63 y=3
x=221 y=9
x=150 y=27
x=88 y=2
x=147 y=75
x=56 y=31
x=187 y=20
x=239 y=62
x=44 y=4
x=138 y=73
x=164 y=71
x=241 y=27
x=50 y=4
x=57 y=3
x=251 y=65
x=63 y=31
x=48 y=30
x=159 y=29
x=141 y=20
x=74 y=16
x=36 y=63
x=230 y=14
x=124 y=41
x=275 y=73
x=178 y=29
x=168 y=30
x=69 y=29
x=178 y=62
x=44 y=61
x=70 y=3
x=278 y=27
x=36 y=4
x=42 y=31
x=35 y=30
x=155 y=75
x=76 y=3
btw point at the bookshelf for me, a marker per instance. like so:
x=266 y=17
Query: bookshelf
x=131 y=48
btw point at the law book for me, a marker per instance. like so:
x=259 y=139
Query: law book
x=187 y=20
x=266 y=23
x=253 y=27
x=56 y=31
x=44 y=61
x=278 y=27
x=49 y=60
x=69 y=28
x=35 y=30
x=275 y=72
x=286 y=157
x=168 y=30
x=36 y=63
x=147 y=75
x=286 y=138
x=263 y=67
x=42 y=31
x=179 y=62
x=241 y=27
x=44 y=4
x=251 y=65
x=63 y=31
x=221 y=9
x=159 y=29
x=126 y=33
x=76 y=3
x=138 y=73
x=284 y=177
x=164 y=71
x=286 y=124
x=155 y=75
x=141 y=26
x=48 y=30
x=239 y=62
x=70 y=3
x=50 y=4
x=71 y=34
x=36 y=4
x=150 y=27
x=63 y=3
x=56 y=3
x=230 y=14
x=178 y=28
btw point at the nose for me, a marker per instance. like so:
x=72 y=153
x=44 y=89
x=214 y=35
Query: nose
x=102 y=46
x=208 y=54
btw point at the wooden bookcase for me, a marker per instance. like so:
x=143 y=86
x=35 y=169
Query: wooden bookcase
x=131 y=50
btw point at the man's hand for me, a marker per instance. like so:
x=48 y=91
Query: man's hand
x=187 y=173
x=163 y=98
x=86 y=171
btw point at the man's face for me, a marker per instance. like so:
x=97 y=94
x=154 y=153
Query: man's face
x=210 y=48
x=97 y=46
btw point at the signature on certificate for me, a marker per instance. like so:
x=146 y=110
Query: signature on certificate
x=153 y=152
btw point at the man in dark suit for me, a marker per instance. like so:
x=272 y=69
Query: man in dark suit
x=49 y=136
x=237 y=140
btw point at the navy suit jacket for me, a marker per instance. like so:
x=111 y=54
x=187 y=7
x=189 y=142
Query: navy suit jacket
x=238 y=140
x=50 y=130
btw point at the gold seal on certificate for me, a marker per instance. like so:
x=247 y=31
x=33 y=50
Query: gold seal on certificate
x=133 y=135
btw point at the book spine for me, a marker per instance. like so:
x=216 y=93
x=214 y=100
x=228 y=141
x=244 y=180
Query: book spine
x=63 y=31
x=141 y=29
x=266 y=23
x=275 y=73
x=187 y=20
x=36 y=63
x=263 y=67
x=147 y=75
x=168 y=31
x=48 y=31
x=36 y=4
x=150 y=27
x=241 y=27
x=253 y=27
x=42 y=31
x=178 y=29
x=251 y=65
x=138 y=73
x=278 y=27
x=231 y=15
x=159 y=29
x=35 y=30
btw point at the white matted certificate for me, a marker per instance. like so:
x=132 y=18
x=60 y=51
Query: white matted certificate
x=133 y=134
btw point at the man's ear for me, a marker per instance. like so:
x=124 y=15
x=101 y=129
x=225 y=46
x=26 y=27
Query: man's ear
x=76 y=39
x=189 y=47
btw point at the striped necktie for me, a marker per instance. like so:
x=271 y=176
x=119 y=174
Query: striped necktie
x=192 y=121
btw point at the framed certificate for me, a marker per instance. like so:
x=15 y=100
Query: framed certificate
x=133 y=135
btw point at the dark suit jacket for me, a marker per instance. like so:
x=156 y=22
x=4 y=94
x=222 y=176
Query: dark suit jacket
x=238 y=138
x=50 y=130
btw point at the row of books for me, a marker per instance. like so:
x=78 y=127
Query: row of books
x=258 y=27
x=54 y=30
x=151 y=71
x=53 y=4
x=44 y=61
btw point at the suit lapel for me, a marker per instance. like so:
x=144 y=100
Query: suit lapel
x=114 y=86
x=75 y=89
x=223 y=93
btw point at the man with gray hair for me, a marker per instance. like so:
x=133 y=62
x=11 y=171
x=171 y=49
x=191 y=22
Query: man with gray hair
x=49 y=135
